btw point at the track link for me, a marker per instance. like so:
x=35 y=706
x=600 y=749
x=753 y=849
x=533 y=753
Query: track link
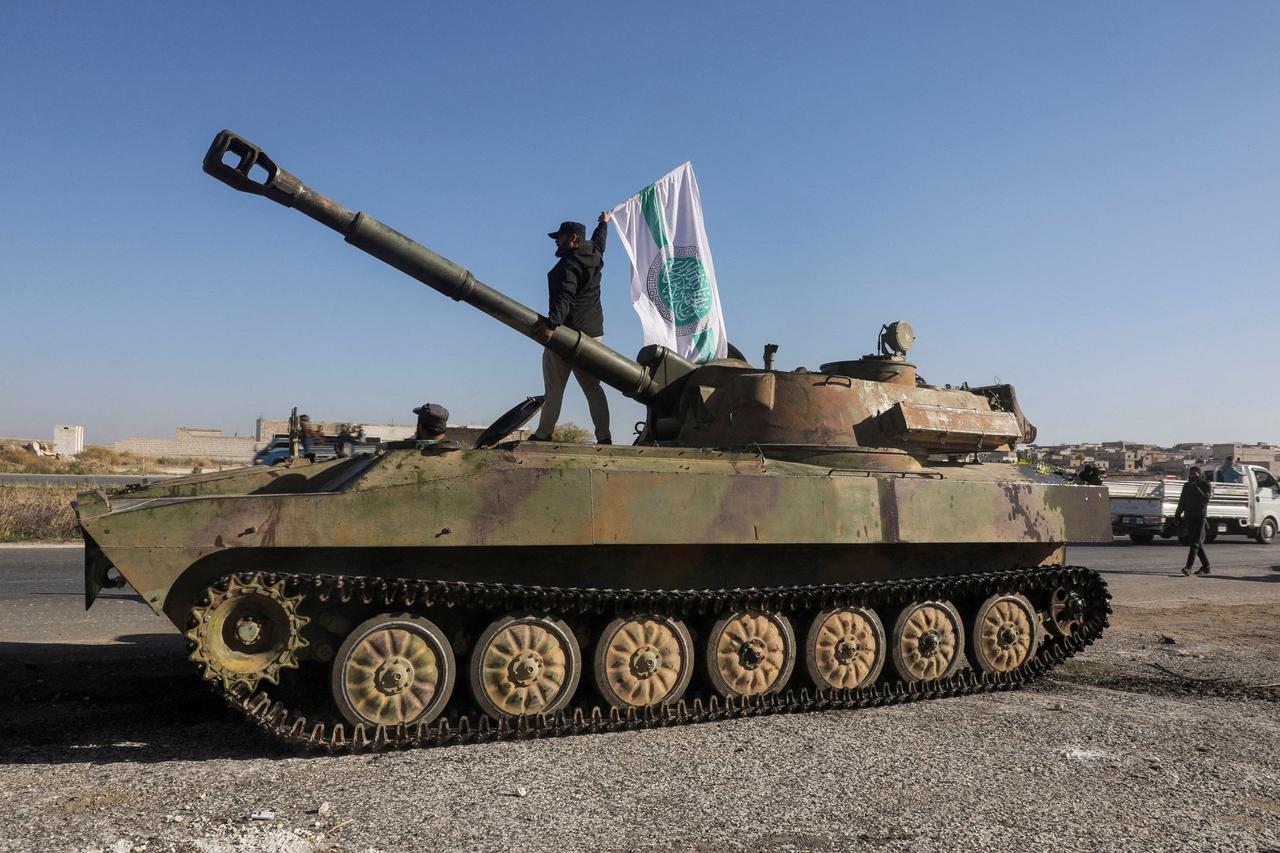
x=293 y=728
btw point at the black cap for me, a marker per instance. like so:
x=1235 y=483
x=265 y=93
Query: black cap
x=432 y=417
x=570 y=228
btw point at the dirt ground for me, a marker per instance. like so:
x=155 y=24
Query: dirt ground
x=1164 y=735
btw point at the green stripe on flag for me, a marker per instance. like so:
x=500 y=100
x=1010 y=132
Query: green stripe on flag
x=652 y=216
x=705 y=342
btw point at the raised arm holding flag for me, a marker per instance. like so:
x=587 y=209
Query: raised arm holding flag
x=673 y=281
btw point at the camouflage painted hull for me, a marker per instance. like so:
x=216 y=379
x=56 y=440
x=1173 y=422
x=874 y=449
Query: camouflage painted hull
x=615 y=517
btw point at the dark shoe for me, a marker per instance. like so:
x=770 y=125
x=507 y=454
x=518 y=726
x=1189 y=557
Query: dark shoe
x=604 y=441
x=1186 y=570
x=1203 y=570
x=539 y=438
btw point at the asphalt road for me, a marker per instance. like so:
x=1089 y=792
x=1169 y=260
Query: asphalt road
x=108 y=742
x=42 y=602
x=42 y=588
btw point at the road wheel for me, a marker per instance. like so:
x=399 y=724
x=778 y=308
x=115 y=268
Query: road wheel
x=845 y=648
x=1005 y=634
x=643 y=660
x=525 y=664
x=1266 y=531
x=393 y=670
x=750 y=652
x=1142 y=538
x=928 y=641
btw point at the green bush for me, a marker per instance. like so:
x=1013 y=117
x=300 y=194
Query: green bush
x=570 y=434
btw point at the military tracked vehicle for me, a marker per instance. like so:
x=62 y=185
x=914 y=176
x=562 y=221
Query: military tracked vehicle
x=773 y=541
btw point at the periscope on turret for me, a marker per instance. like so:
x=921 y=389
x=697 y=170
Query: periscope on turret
x=770 y=537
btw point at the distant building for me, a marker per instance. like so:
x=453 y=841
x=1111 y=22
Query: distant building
x=1195 y=449
x=1173 y=466
x=1118 y=459
x=68 y=440
x=1247 y=454
x=193 y=443
x=265 y=428
x=1131 y=457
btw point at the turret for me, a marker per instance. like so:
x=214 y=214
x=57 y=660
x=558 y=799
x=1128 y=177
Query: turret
x=868 y=413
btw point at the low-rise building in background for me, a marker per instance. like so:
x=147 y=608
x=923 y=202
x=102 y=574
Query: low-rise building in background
x=1125 y=457
x=193 y=443
x=68 y=440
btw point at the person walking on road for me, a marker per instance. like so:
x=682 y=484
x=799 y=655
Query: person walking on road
x=1193 y=504
x=573 y=288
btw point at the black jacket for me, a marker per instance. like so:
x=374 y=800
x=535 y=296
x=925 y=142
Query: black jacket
x=1194 y=499
x=573 y=286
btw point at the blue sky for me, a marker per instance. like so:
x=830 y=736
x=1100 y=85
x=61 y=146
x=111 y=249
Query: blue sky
x=1081 y=199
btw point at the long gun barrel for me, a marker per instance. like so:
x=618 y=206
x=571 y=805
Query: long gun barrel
x=244 y=166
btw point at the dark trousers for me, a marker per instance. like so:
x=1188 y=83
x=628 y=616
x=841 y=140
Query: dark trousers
x=1196 y=529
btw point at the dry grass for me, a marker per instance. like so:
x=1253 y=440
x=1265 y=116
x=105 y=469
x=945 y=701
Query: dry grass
x=199 y=465
x=94 y=459
x=36 y=513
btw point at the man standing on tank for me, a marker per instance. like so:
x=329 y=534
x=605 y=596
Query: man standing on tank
x=1193 y=503
x=573 y=289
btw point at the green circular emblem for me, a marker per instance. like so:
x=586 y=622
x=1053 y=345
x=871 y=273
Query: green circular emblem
x=679 y=288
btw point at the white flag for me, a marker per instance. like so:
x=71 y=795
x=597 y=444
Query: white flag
x=673 y=282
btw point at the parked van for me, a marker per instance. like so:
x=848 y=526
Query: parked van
x=277 y=451
x=1139 y=509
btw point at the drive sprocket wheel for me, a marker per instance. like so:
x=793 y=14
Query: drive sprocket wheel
x=845 y=648
x=643 y=660
x=1005 y=634
x=750 y=652
x=246 y=630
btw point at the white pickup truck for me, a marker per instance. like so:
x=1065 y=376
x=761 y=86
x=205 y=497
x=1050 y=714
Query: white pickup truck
x=1139 y=508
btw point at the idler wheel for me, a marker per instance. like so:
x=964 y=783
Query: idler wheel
x=845 y=648
x=750 y=652
x=928 y=641
x=643 y=660
x=246 y=632
x=1005 y=633
x=525 y=664
x=1066 y=611
x=393 y=670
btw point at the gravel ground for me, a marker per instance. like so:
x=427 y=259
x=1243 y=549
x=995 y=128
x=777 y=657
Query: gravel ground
x=115 y=748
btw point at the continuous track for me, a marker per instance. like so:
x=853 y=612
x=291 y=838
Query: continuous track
x=294 y=728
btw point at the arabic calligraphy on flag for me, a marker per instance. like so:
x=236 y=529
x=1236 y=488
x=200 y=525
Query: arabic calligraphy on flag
x=673 y=280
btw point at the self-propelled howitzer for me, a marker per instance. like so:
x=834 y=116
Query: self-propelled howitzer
x=773 y=541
